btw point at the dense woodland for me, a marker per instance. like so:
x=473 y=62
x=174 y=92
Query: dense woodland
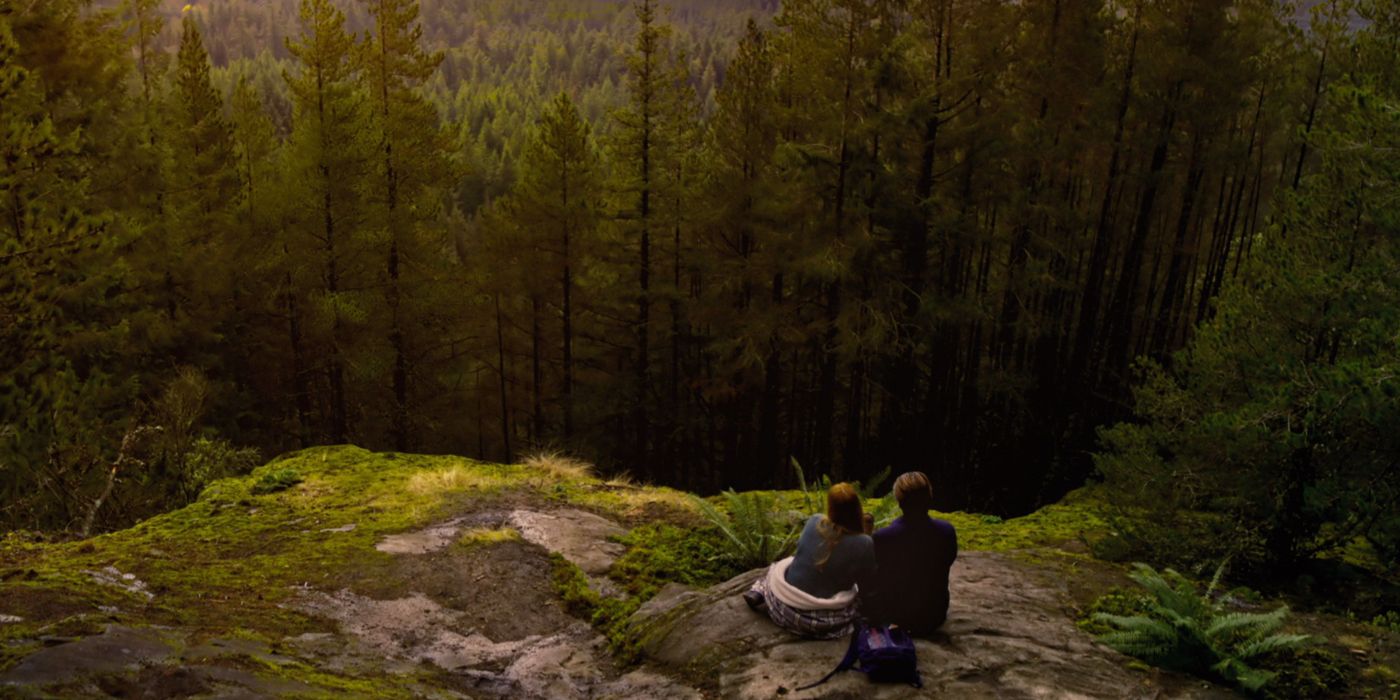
x=698 y=244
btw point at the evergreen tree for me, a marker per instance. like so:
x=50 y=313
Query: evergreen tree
x=65 y=390
x=411 y=166
x=746 y=310
x=635 y=158
x=327 y=161
x=556 y=201
x=1274 y=418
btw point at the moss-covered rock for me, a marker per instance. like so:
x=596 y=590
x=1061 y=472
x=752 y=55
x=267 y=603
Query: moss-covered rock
x=246 y=561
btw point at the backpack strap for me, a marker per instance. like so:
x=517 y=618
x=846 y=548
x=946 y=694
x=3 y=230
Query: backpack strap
x=847 y=661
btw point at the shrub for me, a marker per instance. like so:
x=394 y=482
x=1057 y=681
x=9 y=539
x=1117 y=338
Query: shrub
x=1186 y=631
x=278 y=480
x=757 y=531
x=210 y=459
x=1388 y=620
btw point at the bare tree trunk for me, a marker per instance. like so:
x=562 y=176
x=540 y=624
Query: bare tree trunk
x=501 y=376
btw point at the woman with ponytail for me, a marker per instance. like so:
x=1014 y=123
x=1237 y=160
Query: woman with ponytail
x=814 y=592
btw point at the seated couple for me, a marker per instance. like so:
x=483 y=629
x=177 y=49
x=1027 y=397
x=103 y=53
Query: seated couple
x=898 y=576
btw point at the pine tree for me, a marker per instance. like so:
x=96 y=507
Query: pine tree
x=67 y=373
x=635 y=157
x=556 y=200
x=327 y=157
x=746 y=308
x=411 y=162
x=202 y=199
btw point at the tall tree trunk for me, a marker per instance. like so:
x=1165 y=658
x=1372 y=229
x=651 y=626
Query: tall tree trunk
x=568 y=321
x=393 y=292
x=501 y=376
x=536 y=375
x=1093 y=289
x=299 y=372
x=1181 y=258
x=1125 y=297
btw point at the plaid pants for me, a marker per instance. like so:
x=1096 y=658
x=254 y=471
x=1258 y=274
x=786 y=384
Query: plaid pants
x=812 y=624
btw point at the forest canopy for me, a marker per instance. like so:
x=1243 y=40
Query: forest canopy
x=701 y=241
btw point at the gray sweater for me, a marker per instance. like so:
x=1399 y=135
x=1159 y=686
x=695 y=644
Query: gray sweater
x=852 y=561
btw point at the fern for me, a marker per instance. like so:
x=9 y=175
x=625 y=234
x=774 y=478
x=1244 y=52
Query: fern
x=756 y=531
x=883 y=510
x=1187 y=631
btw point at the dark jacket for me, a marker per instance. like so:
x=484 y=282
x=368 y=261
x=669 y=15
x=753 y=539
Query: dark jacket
x=914 y=554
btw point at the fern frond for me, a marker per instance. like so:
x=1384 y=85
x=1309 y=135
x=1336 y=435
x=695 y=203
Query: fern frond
x=1251 y=624
x=1215 y=579
x=866 y=488
x=755 y=529
x=1242 y=674
x=807 y=499
x=1271 y=643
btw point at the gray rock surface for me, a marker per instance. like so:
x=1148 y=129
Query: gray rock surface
x=581 y=537
x=117 y=649
x=1008 y=635
x=402 y=634
x=422 y=541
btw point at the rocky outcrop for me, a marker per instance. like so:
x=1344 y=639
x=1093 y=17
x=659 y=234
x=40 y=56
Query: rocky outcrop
x=1008 y=635
x=444 y=615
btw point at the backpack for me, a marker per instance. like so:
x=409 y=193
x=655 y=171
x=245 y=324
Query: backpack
x=884 y=655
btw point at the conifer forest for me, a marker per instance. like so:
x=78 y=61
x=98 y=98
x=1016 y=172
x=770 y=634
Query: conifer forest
x=1020 y=245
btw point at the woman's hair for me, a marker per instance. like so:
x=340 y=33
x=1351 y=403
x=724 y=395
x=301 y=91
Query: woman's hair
x=843 y=517
x=913 y=492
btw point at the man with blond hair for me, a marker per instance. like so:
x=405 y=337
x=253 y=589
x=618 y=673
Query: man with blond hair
x=913 y=555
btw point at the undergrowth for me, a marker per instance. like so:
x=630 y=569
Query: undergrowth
x=1180 y=629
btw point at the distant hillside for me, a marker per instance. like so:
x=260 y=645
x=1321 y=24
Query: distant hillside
x=503 y=59
x=243 y=28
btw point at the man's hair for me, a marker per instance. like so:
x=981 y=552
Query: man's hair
x=913 y=492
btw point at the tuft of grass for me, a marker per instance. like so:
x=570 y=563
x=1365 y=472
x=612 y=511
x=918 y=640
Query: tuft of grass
x=487 y=536
x=558 y=465
x=622 y=480
x=453 y=479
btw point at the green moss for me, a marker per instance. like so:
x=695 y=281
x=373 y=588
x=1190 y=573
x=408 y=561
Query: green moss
x=1079 y=517
x=229 y=559
x=571 y=585
x=274 y=481
x=1307 y=673
x=1118 y=601
x=481 y=536
x=627 y=503
x=658 y=554
x=330 y=685
x=608 y=615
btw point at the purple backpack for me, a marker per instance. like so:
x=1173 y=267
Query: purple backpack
x=884 y=655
